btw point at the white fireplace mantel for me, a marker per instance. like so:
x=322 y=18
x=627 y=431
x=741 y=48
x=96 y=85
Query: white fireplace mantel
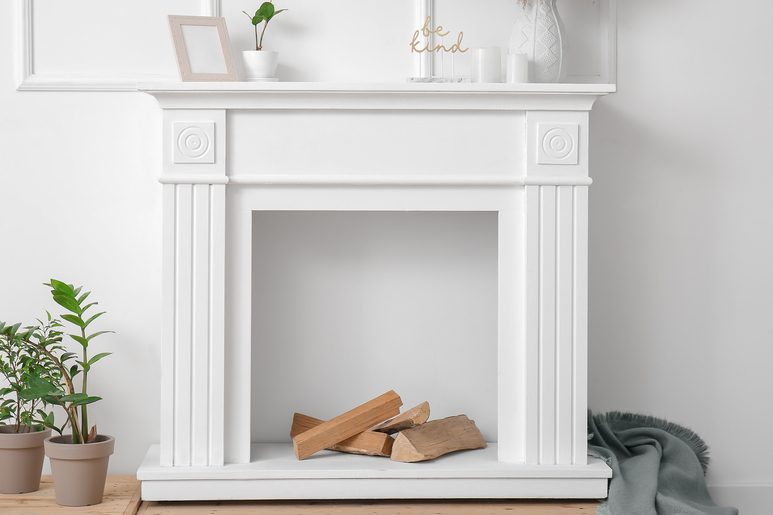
x=331 y=95
x=537 y=181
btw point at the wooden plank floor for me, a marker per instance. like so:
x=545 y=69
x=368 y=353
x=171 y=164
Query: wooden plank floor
x=122 y=497
x=370 y=508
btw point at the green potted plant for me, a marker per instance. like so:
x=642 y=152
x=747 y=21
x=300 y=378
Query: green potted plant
x=259 y=64
x=22 y=416
x=78 y=460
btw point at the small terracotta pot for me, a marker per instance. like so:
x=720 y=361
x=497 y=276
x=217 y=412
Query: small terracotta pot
x=21 y=459
x=79 y=470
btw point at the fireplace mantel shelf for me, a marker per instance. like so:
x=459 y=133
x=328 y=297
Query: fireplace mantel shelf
x=332 y=95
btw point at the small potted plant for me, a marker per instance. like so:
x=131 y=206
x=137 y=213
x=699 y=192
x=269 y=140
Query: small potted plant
x=22 y=416
x=259 y=64
x=78 y=460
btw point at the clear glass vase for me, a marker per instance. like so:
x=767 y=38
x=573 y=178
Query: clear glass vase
x=539 y=33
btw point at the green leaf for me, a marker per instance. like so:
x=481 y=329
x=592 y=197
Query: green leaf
x=68 y=355
x=75 y=320
x=98 y=357
x=62 y=287
x=39 y=382
x=93 y=318
x=257 y=19
x=98 y=333
x=80 y=399
x=74 y=370
x=266 y=10
x=38 y=389
x=31 y=394
x=67 y=303
x=73 y=397
x=87 y=306
x=80 y=339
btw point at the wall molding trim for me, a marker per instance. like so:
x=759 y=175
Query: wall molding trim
x=28 y=80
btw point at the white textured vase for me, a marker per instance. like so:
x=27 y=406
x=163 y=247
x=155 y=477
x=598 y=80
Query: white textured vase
x=260 y=65
x=539 y=33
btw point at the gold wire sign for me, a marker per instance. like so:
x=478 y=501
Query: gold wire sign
x=427 y=32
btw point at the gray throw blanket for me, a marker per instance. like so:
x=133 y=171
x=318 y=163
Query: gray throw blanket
x=658 y=467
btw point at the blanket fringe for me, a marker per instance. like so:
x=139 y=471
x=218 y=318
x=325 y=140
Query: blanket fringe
x=687 y=435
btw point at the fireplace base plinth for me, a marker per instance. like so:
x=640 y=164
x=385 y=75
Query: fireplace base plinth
x=275 y=473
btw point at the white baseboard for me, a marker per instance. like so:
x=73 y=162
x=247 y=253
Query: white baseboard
x=749 y=499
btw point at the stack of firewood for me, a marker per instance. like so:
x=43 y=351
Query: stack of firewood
x=367 y=429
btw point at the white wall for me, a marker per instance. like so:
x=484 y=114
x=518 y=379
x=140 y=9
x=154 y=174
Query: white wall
x=680 y=238
x=81 y=204
x=681 y=245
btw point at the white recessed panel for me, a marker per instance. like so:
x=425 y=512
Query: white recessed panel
x=341 y=143
x=98 y=38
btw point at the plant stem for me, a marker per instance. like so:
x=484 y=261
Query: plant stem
x=256 y=30
x=12 y=362
x=72 y=416
x=84 y=410
x=32 y=416
x=265 y=26
x=18 y=413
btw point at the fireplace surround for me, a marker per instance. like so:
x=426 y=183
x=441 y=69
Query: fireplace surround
x=519 y=151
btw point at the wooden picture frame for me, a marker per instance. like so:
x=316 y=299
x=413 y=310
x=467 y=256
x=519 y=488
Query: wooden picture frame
x=202 y=48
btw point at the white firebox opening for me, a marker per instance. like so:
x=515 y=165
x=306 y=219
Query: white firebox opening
x=349 y=305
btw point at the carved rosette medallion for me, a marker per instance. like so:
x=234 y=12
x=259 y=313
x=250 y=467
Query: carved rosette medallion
x=194 y=142
x=558 y=144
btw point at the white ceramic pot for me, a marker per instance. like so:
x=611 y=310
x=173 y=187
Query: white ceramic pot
x=539 y=33
x=260 y=64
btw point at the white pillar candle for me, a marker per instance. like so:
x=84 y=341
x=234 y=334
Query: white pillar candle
x=486 y=65
x=517 y=68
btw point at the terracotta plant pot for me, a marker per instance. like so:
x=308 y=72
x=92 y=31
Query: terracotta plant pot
x=21 y=459
x=79 y=471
